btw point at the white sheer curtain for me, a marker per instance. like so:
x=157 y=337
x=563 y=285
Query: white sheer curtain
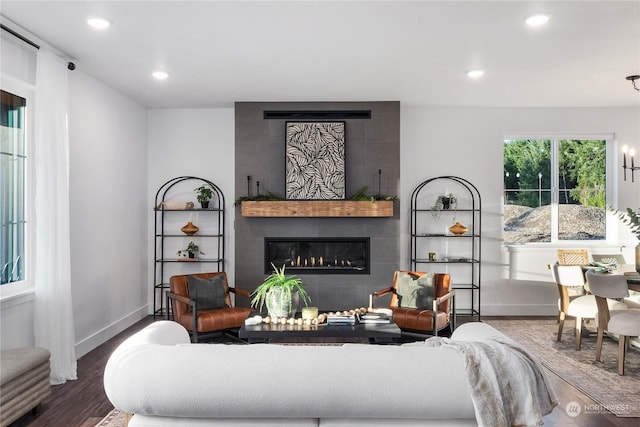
x=53 y=322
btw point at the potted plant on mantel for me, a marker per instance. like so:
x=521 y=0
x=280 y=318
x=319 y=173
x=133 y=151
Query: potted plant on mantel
x=204 y=194
x=632 y=219
x=280 y=293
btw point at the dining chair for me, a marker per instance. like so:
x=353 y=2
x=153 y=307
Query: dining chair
x=573 y=257
x=624 y=323
x=570 y=280
x=609 y=258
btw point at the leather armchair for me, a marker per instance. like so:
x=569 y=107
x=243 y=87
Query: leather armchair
x=426 y=320
x=184 y=309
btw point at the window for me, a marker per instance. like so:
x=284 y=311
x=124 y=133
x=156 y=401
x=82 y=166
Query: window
x=12 y=190
x=555 y=190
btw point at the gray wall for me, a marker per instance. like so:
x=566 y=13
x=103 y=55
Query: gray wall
x=371 y=144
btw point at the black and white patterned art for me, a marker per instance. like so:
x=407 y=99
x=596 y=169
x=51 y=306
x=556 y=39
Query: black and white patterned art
x=315 y=161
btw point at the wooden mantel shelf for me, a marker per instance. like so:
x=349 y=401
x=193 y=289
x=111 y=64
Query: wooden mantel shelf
x=318 y=208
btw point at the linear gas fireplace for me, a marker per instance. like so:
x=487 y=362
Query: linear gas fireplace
x=318 y=255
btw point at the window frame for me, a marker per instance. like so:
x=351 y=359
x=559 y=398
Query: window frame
x=610 y=179
x=24 y=288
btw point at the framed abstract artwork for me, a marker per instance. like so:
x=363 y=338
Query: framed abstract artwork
x=315 y=161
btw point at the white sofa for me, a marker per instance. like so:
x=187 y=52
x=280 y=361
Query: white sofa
x=163 y=379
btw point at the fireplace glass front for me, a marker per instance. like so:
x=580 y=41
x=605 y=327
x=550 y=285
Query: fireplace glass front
x=318 y=255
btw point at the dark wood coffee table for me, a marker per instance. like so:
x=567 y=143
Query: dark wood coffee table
x=268 y=333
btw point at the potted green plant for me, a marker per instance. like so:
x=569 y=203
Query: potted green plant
x=444 y=202
x=632 y=219
x=204 y=194
x=278 y=292
x=191 y=251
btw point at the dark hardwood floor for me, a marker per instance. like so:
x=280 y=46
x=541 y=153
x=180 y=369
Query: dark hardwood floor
x=83 y=403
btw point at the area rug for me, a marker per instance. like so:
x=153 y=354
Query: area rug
x=114 y=418
x=598 y=380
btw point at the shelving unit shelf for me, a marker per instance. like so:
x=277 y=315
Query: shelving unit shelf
x=168 y=238
x=459 y=255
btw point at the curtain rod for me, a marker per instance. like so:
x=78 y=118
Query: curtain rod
x=20 y=36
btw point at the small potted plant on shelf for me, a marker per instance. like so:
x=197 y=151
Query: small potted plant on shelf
x=444 y=202
x=204 y=194
x=190 y=252
x=280 y=293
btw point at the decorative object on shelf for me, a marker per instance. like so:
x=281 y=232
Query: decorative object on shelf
x=190 y=229
x=175 y=206
x=432 y=256
x=278 y=293
x=315 y=166
x=632 y=219
x=204 y=194
x=190 y=252
x=444 y=202
x=633 y=168
x=458 y=229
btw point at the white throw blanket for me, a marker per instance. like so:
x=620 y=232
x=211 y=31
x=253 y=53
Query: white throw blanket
x=508 y=386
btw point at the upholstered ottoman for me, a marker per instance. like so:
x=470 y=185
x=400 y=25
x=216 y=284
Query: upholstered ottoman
x=24 y=382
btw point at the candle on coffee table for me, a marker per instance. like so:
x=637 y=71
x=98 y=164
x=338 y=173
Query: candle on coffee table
x=309 y=313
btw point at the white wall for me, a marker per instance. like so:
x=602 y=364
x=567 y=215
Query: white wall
x=467 y=142
x=192 y=142
x=108 y=196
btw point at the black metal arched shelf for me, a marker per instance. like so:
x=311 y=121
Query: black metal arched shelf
x=426 y=237
x=167 y=233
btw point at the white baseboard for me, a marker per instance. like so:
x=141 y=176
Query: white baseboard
x=86 y=345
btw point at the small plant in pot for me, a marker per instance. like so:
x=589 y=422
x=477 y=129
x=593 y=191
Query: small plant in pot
x=191 y=251
x=204 y=194
x=444 y=202
x=279 y=292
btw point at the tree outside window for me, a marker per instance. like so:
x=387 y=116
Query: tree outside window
x=554 y=190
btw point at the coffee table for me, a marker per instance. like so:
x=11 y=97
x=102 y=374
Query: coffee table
x=267 y=333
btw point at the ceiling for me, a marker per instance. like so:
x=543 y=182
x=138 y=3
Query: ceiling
x=416 y=52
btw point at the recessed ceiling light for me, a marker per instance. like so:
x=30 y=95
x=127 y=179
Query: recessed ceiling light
x=159 y=75
x=99 y=23
x=538 y=19
x=474 y=74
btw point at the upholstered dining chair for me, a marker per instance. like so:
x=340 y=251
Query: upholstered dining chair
x=572 y=302
x=202 y=304
x=573 y=257
x=422 y=303
x=624 y=323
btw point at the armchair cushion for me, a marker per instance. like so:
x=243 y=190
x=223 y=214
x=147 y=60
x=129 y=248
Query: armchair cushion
x=207 y=293
x=418 y=293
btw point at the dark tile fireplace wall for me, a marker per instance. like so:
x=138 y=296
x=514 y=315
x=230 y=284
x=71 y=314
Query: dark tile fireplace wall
x=371 y=144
